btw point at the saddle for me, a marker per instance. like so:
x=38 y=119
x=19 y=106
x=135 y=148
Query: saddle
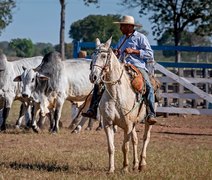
x=138 y=82
x=137 y=79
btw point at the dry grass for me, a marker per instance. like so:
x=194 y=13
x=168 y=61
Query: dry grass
x=180 y=148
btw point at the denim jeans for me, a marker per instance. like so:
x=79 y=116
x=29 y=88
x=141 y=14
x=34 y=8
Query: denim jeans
x=149 y=91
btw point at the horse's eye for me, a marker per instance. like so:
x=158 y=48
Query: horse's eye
x=33 y=79
x=103 y=56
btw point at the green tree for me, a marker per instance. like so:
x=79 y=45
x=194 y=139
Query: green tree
x=43 y=48
x=176 y=16
x=22 y=47
x=6 y=7
x=187 y=39
x=93 y=26
x=68 y=50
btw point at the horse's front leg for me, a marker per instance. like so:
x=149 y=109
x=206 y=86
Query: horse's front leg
x=125 y=150
x=146 y=139
x=135 y=147
x=111 y=148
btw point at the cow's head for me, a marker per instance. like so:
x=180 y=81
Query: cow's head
x=30 y=80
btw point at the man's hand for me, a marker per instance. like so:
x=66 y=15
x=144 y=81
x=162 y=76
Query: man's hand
x=117 y=52
x=128 y=50
x=131 y=51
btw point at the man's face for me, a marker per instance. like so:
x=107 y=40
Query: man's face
x=126 y=28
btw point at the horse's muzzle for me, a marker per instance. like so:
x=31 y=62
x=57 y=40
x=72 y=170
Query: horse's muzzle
x=93 y=78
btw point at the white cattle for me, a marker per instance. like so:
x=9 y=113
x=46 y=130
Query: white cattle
x=54 y=82
x=10 y=90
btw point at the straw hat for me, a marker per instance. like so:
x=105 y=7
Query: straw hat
x=82 y=54
x=127 y=20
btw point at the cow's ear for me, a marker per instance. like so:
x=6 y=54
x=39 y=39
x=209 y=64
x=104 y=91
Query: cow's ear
x=24 y=68
x=42 y=77
x=17 y=79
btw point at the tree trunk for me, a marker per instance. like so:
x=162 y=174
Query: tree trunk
x=62 y=29
x=177 y=43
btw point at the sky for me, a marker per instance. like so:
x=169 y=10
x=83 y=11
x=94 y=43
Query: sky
x=39 y=20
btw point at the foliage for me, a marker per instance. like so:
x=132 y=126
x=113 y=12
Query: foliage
x=176 y=16
x=43 y=48
x=4 y=48
x=68 y=50
x=93 y=26
x=88 y=2
x=187 y=39
x=23 y=47
x=6 y=7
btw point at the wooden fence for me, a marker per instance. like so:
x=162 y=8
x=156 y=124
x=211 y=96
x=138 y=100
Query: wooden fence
x=189 y=93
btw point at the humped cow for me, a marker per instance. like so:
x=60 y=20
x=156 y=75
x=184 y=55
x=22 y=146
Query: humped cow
x=10 y=90
x=54 y=82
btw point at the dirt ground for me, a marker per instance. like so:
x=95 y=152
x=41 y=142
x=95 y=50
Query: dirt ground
x=65 y=151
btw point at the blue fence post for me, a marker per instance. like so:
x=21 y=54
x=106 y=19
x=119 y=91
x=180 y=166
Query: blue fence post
x=76 y=49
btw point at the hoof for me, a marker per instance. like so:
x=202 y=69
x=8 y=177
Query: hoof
x=17 y=127
x=88 y=129
x=142 y=168
x=72 y=127
x=125 y=170
x=110 y=171
x=36 y=129
x=98 y=129
x=135 y=167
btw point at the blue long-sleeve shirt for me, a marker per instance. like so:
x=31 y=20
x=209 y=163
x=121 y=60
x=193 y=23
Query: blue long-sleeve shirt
x=139 y=42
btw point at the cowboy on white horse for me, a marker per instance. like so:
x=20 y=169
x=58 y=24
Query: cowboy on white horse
x=135 y=49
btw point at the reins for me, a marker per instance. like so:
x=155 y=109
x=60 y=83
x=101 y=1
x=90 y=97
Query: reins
x=136 y=104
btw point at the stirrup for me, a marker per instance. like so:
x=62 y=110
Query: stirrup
x=151 y=120
x=90 y=114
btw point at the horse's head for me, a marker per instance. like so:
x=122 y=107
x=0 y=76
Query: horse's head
x=100 y=60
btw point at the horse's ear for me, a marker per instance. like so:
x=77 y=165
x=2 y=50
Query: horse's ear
x=107 y=44
x=97 y=42
x=24 y=68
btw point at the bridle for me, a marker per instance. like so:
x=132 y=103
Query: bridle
x=103 y=70
x=105 y=66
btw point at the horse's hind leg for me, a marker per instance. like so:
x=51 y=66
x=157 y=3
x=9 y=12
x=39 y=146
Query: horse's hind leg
x=111 y=148
x=146 y=139
x=135 y=146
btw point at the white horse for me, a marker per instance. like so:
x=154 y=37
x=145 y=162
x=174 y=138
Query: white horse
x=118 y=105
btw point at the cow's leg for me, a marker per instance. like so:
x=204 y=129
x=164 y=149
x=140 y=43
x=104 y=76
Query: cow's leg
x=28 y=116
x=57 y=115
x=90 y=124
x=21 y=115
x=75 y=123
x=51 y=120
x=5 y=114
x=111 y=148
x=35 y=115
x=100 y=126
x=7 y=106
x=146 y=139
x=80 y=125
x=135 y=147
x=41 y=121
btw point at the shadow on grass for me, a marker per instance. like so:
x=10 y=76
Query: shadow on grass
x=185 y=134
x=50 y=167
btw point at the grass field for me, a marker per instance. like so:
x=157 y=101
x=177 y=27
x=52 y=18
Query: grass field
x=180 y=148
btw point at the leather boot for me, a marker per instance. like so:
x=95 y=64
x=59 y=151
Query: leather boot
x=151 y=119
x=97 y=94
